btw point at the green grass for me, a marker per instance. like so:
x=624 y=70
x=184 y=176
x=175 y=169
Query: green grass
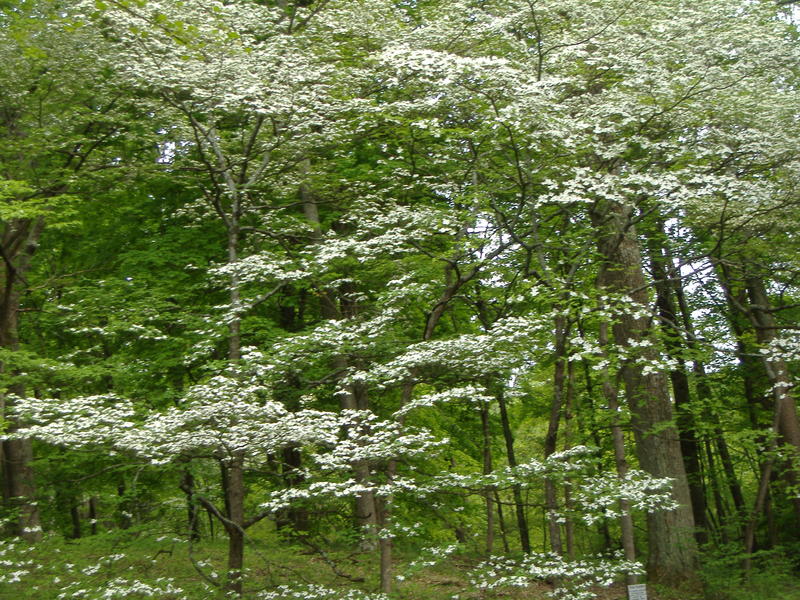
x=62 y=567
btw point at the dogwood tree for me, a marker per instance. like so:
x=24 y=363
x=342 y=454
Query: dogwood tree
x=418 y=214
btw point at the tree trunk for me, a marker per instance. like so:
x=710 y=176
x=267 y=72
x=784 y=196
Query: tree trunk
x=550 y=441
x=761 y=498
x=747 y=297
x=501 y=521
x=621 y=463
x=93 y=515
x=722 y=514
x=67 y=502
x=19 y=488
x=232 y=469
x=672 y=548
x=292 y=475
x=665 y=279
x=788 y=425
x=192 y=510
x=19 y=241
x=233 y=489
x=519 y=506
x=704 y=394
x=569 y=524
x=354 y=397
x=351 y=397
x=754 y=377
x=386 y=542
x=487 y=469
x=75 y=517
x=124 y=507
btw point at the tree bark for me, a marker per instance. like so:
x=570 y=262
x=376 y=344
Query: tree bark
x=569 y=524
x=124 y=507
x=75 y=517
x=192 y=510
x=550 y=441
x=519 y=506
x=351 y=397
x=19 y=241
x=501 y=521
x=487 y=469
x=665 y=280
x=763 y=490
x=93 y=515
x=672 y=555
x=788 y=425
x=292 y=476
x=704 y=394
x=233 y=488
x=618 y=441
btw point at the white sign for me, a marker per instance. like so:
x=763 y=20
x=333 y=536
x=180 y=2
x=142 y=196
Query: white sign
x=637 y=592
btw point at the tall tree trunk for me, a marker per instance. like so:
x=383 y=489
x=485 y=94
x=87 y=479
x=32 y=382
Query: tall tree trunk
x=93 y=515
x=621 y=463
x=192 y=510
x=75 y=517
x=354 y=397
x=232 y=468
x=519 y=506
x=704 y=394
x=229 y=182
x=233 y=489
x=550 y=441
x=386 y=545
x=788 y=425
x=351 y=397
x=666 y=279
x=19 y=241
x=569 y=524
x=754 y=377
x=763 y=489
x=292 y=477
x=488 y=493
x=747 y=297
x=66 y=501
x=721 y=519
x=672 y=555
x=501 y=520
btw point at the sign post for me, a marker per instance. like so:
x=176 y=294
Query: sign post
x=637 y=592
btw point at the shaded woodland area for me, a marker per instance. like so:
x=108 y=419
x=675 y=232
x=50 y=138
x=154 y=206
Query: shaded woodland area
x=399 y=299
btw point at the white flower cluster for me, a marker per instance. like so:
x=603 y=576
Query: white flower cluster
x=575 y=577
x=318 y=592
x=429 y=557
x=387 y=440
x=380 y=231
x=786 y=348
x=14 y=565
x=220 y=418
x=261 y=267
x=506 y=346
x=78 y=422
x=599 y=495
x=224 y=56
x=576 y=460
x=367 y=438
x=474 y=395
x=119 y=588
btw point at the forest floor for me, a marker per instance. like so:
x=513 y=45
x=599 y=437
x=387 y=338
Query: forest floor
x=96 y=567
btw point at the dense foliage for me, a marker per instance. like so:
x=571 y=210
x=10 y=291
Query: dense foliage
x=506 y=285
